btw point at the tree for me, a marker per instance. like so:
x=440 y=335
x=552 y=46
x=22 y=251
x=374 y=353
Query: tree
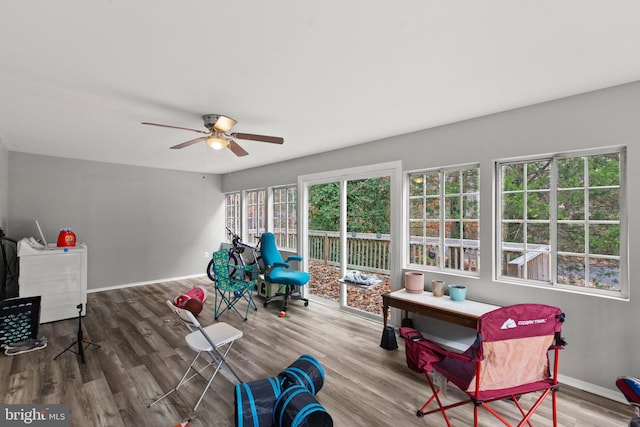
x=368 y=206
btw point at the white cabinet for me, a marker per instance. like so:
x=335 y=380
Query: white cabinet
x=58 y=275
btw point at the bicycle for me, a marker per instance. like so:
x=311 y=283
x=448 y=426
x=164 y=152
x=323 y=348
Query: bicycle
x=238 y=247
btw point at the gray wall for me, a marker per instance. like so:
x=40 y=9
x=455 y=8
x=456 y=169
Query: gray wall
x=602 y=333
x=140 y=224
x=4 y=187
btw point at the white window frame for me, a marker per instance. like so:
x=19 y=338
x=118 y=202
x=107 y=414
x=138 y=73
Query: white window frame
x=473 y=246
x=233 y=221
x=290 y=233
x=552 y=282
x=253 y=229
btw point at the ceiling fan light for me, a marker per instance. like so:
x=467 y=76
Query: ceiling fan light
x=224 y=124
x=217 y=142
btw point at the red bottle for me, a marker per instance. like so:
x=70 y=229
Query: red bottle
x=66 y=238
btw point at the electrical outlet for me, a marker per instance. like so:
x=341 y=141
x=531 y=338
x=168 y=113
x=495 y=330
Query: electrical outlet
x=207 y=254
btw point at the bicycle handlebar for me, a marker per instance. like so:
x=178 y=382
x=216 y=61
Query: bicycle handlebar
x=236 y=241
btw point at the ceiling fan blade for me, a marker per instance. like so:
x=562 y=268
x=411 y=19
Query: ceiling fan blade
x=188 y=143
x=261 y=138
x=237 y=149
x=174 y=127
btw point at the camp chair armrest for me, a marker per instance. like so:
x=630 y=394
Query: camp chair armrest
x=250 y=267
x=280 y=264
x=294 y=258
x=446 y=353
x=240 y=285
x=454 y=355
x=462 y=357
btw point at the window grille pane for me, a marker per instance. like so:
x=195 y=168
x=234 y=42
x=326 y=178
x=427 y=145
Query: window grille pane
x=513 y=206
x=416 y=209
x=416 y=229
x=571 y=270
x=571 y=205
x=432 y=208
x=538 y=233
x=432 y=228
x=471 y=206
x=452 y=230
x=513 y=232
x=471 y=230
x=604 y=205
x=513 y=177
x=452 y=182
x=512 y=263
x=452 y=207
x=604 y=170
x=604 y=239
x=604 y=274
x=571 y=173
x=538 y=205
x=471 y=180
x=432 y=184
x=571 y=238
x=538 y=175
x=416 y=187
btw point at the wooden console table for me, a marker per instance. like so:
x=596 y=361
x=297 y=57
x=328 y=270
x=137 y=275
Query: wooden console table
x=464 y=313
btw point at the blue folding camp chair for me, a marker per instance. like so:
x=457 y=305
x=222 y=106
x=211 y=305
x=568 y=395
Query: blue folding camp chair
x=232 y=284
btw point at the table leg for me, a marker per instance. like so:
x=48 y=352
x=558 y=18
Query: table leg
x=385 y=314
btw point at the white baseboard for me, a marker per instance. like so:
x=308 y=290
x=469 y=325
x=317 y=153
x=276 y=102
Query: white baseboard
x=130 y=285
x=592 y=388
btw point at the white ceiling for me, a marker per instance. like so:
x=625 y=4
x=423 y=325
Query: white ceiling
x=77 y=77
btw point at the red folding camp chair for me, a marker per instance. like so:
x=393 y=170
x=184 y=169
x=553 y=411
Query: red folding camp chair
x=509 y=358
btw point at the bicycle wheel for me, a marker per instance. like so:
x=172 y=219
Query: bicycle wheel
x=210 y=273
x=260 y=264
x=234 y=259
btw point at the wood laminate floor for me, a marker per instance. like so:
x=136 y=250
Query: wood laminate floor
x=142 y=354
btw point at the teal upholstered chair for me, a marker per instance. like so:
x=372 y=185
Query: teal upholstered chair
x=278 y=272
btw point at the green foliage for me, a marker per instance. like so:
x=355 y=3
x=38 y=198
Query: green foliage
x=604 y=170
x=368 y=206
x=324 y=207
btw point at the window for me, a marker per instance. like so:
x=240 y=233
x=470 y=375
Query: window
x=285 y=221
x=232 y=212
x=561 y=221
x=444 y=219
x=255 y=200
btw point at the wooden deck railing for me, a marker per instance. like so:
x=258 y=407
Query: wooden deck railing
x=370 y=252
x=365 y=251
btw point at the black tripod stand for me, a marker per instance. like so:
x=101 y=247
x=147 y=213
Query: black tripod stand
x=79 y=341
